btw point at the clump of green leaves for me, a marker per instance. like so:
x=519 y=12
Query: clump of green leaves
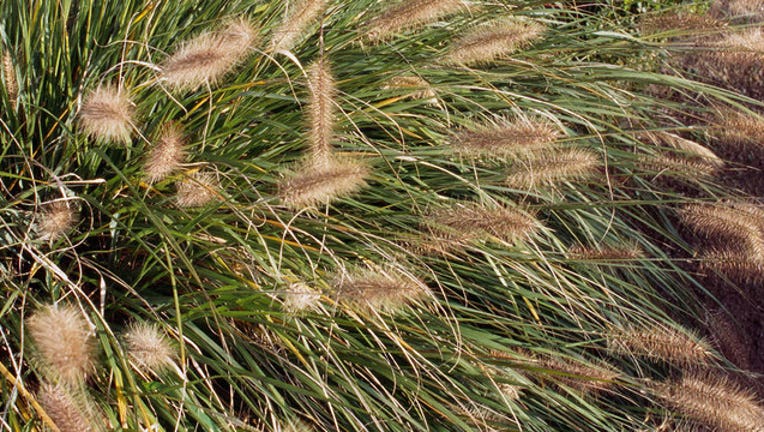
x=292 y=261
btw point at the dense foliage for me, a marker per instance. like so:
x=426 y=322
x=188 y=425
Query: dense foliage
x=360 y=215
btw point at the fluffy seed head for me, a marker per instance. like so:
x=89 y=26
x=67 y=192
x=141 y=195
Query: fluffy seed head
x=300 y=297
x=295 y=25
x=64 y=409
x=368 y=291
x=746 y=8
x=461 y=224
x=408 y=15
x=167 y=154
x=148 y=347
x=679 y=24
x=107 y=115
x=9 y=78
x=55 y=220
x=64 y=342
x=739 y=131
x=551 y=167
x=577 y=375
x=737 y=266
x=606 y=253
x=714 y=401
x=689 y=148
x=321 y=108
x=208 y=57
x=490 y=42
x=733 y=61
x=506 y=139
x=680 y=347
x=321 y=181
x=724 y=221
x=294 y=425
x=198 y=190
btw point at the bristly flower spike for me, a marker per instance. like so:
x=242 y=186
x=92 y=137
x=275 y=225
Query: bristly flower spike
x=493 y=41
x=167 y=155
x=65 y=343
x=295 y=25
x=208 y=57
x=408 y=15
x=107 y=114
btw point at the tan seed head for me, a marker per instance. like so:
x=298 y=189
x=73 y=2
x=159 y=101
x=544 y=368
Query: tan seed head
x=149 y=348
x=107 y=115
x=65 y=343
x=167 y=155
x=493 y=41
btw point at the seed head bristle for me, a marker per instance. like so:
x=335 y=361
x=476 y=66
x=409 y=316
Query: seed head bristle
x=107 y=115
x=66 y=411
x=408 y=15
x=9 y=78
x=606 y=253
x=723 y=221
x=149 y=348
x=738 y=266
x=682 y=23
x=713 y=400
x=690 y=148
x=545 y=168
x=300 y=297
x=295 y=25
x=198 y=190
x=367 y=291
x=320 y=181
x=679 y=166
x=679 y=347
x=55 y=220
x=65 y=343
x=577 y=375
x=739 y=130
x=167 y=155
x=490 y=42
x=733 y=61
x=321 y=108
x=208 y=57
x=506 y=139
x=467 y=222
x=418 y=87
x=746 y=8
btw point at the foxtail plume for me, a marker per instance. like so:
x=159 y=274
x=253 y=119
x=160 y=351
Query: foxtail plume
x=739 y=267
x=490 y=42
x=506 y=139
x=321 y=108
x=419 y=88
x=322 y=180
x=408 y=15
x=208 y=57
x=577 y=375
x=65 y=409
x=300 y=297
x=680 y=347
x=167 y=155
x=551 y=167
x=606 y=253
x=107 y=114
x=148 y=348
x=460 y=224
x=713 y=400
x=65 y=343
x=295 y=25
x=9 y=78
x=55 y=220
x=722 y=221
x=368 y=291
x=198 y=190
